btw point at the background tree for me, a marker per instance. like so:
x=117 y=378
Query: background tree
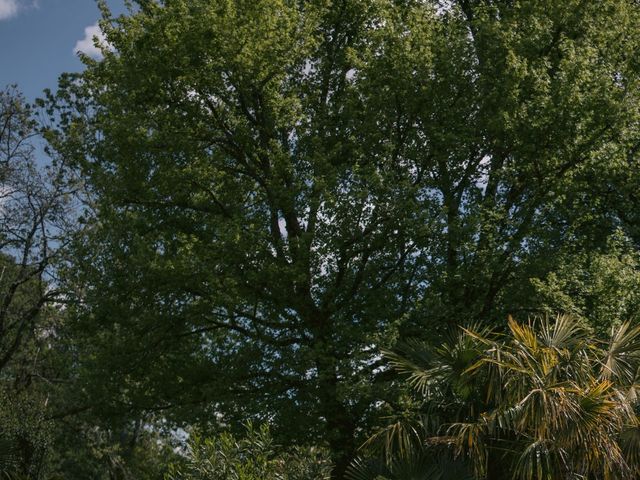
x=600 y=287
x=280 y=188
x=34 y=221
x=32 y=227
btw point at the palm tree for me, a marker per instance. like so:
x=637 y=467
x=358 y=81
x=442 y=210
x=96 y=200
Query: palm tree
x=546 y=400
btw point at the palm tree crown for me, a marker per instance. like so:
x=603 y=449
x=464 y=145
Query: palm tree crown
x=545 y=400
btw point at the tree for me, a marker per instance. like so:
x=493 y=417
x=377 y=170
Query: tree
x=31 y=227
x=34 y=226
x=546 y=400
x=600 y=287
x=280 y=188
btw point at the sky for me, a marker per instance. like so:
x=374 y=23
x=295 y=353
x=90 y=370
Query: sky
x=39 y=40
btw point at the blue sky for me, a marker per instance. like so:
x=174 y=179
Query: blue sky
x=38 y=39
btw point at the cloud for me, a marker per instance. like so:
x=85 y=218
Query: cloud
x=86 y=45
x=8 y=9
x=11 y=8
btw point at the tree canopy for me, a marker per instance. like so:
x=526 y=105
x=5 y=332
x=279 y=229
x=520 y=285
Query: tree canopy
x=277 y=189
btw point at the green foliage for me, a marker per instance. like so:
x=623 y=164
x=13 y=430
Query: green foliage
x=38 y=362
x=547 y=400
x=278 y=189
x=600 y=287
x=33 y=221
x=85 y=448
x=432 y=465
x=252 y=457
x=24 y=435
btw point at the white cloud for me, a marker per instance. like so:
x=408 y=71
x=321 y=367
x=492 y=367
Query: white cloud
x=11 y=8
x=8 y=9
x=86 y=45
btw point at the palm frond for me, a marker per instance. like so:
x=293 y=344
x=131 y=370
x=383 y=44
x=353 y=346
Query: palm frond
x=437 y=465
x=622 y=358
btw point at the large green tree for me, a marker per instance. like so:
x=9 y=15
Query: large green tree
x=278 y=188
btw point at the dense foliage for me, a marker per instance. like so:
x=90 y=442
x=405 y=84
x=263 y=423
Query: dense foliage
x=249 y=200
x=547 y=400
x=252 y=457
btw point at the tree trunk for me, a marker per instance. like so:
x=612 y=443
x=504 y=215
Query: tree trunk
x=339 y=424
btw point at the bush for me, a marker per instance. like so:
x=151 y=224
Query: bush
x=252 y=457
